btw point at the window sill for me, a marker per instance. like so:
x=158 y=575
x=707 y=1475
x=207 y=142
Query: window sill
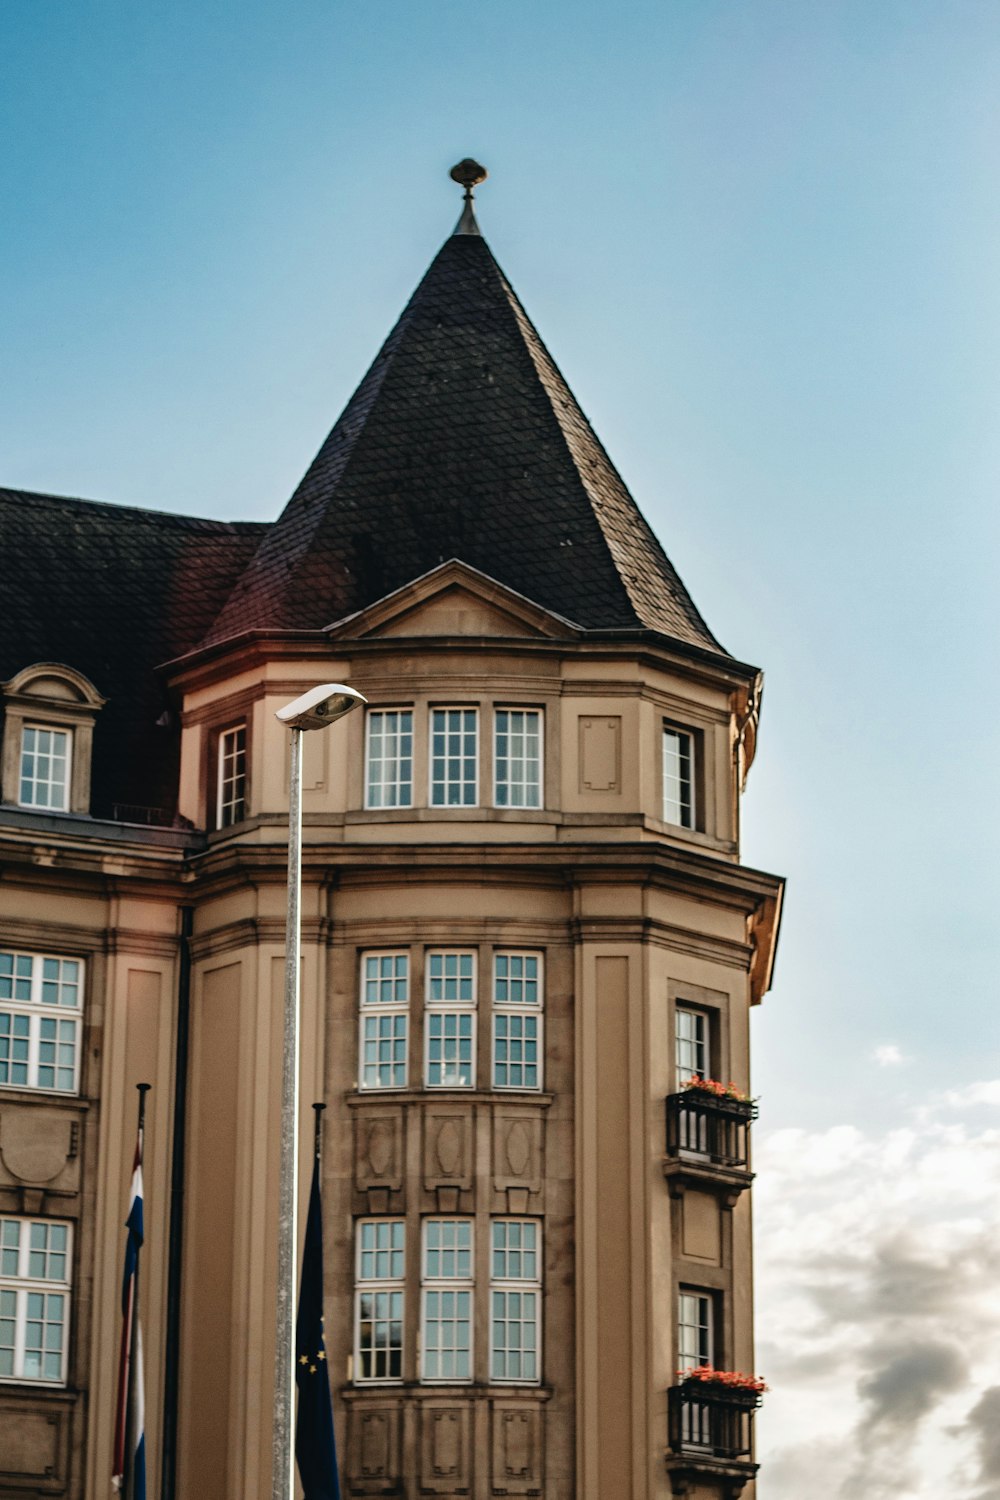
x=464 y=814
x=421 y=1390
x=15 y=1093
x=451 y=1096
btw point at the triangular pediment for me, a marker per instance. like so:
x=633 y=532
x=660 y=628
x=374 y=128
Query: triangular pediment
x=454 y=599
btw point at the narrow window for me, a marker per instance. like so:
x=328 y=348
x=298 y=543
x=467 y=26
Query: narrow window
x=232 y=792
x=450 y=1021
x=378 y=1340
x=694 y=1330
x=515 y=1301
x=678 y=777
x=517 y=758
x=389 y=758
x=691 y=1045
x=446 y=1331
x=34 y=1300
x=45 y=766
x=692 y=1054
x=41 y=997
x=517 y=1021
x=384 y=1013
x=454 y=757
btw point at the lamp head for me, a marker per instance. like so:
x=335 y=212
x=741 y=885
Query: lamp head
x=320 y=706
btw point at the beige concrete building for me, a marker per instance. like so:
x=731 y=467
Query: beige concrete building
x=526 y=927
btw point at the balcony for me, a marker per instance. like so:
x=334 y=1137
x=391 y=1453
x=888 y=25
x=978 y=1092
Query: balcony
x=711 y=1436
x=708 y=1142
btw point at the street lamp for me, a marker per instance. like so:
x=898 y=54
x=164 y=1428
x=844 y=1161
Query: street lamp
x=314 y=710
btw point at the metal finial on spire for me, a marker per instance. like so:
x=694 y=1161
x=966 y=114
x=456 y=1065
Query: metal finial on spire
x=469 y=174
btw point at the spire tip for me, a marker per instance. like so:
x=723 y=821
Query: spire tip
x=468 y=174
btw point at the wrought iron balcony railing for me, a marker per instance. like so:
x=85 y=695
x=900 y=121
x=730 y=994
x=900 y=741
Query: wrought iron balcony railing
x=712 y=1127
x=716 y=1421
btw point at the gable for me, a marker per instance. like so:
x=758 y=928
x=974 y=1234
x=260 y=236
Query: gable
x=454 y=600
x=456 y=611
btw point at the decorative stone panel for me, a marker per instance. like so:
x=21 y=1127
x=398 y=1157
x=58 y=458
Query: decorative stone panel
x=34 y=1447
x=517 y=1457
x=600 y=753
x=374 y=1449
x=445 y=1450
x=379 y=1158
x=39 y=1149
x=518 y=1154
x=449 y=1159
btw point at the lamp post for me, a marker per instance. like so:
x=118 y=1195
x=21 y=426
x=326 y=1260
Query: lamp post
x=314 y=710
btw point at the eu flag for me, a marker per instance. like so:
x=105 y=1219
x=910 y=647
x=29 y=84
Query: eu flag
x=315 y=1447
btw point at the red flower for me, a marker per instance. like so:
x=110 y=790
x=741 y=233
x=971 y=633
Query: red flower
x=719 y=1090
x=732 y=1379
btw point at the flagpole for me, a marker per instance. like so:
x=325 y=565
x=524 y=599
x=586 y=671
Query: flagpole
x=130 y=1337
x=135 y=1337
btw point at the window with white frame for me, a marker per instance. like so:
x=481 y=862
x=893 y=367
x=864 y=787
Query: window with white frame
x=45 y=767
x=34 y=1299
x=517 y=1021
x=454 y=757
x=41 y=997
x=450 y=1021
x=678 y=777
x=515 y=1300
x=691 y=1039
x=447 y=1294
x=691 y=1044
x=695 y=1337
x=380 y=1279
x=389 y=758
x=694 y=1330
x=384 y=1017
x=232 y=783
x=517 y=758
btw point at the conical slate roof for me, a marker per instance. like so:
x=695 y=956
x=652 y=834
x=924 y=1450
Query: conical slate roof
x=463 y=441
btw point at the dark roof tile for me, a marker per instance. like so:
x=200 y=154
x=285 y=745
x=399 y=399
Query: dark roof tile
x=114 y=591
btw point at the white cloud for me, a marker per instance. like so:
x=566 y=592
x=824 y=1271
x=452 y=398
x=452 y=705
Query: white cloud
x=985 y=1092
x=878 y=1327
x=888 y=1056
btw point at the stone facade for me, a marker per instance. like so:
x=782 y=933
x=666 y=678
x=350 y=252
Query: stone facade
x=628 y=916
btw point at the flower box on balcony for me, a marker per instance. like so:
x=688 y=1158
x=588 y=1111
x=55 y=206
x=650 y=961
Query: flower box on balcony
x=708 y=1384
x=711 y=1415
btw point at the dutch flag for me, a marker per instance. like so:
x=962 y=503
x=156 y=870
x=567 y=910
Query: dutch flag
x=129 y=1474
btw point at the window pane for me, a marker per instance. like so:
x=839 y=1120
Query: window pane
x=517 y=999
x=33 y=1318
x=379 y=1350
x=517 y=757
x=678 y=782
x=44 y=778
x=447 y=1335
x=454 y=757
x=691 y=1045
x=232 y=776
x=694 y=1330
x=389 y=776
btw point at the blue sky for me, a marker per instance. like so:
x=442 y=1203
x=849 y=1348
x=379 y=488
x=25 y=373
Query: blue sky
x=761 y=239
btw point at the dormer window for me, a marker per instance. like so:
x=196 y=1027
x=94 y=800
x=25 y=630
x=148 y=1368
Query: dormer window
x=49 y=712
x=231 y=804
